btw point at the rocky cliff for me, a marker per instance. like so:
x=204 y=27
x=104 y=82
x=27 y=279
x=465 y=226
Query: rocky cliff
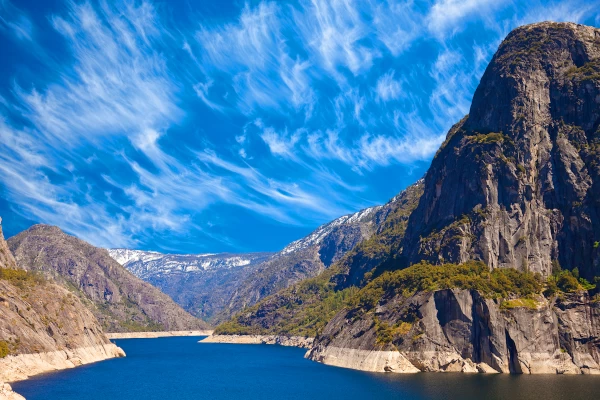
x=517 y=182
x=120 y=301
x=515 y=186
x=43 y=327
x=456 y=330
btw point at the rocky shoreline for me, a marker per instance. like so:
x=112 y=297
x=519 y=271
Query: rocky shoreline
x=153 y=335
x=22 y=366
x=293 y=341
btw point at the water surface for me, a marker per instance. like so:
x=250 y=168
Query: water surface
x=181 y=369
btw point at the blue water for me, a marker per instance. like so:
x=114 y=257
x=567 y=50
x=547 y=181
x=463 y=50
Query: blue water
x=182 y=369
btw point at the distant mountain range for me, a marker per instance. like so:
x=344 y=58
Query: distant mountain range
x=216 y=286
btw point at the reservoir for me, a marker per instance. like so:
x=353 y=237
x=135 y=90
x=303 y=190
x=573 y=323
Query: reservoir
x=180 y=368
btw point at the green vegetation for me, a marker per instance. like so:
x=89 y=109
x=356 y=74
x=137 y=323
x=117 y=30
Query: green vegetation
x=588 y=71
x=516 y=303
x=473 y=275
x=21 y=278
x=134 y=326
x=487 y=138
x=4 y=349
x=564 y=281
x=303 y=310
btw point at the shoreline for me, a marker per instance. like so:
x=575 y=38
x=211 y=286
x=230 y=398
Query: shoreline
x=22 y=366
x=291 y=341
x=154 y=335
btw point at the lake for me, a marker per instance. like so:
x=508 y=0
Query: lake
x=179 y=368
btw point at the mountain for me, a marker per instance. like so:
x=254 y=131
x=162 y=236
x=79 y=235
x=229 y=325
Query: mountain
x=43 y=327
x=462 y=318
x=200 y=283
x=307 y=257
x=305 y=307
x=517 y=182
x=121 y=301
x=147 y=264
x=491 y=270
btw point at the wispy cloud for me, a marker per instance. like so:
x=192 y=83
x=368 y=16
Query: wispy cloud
x=254 y=54
x=15 y=21
x=388 y=88
x=139 y=121
x=448 y=16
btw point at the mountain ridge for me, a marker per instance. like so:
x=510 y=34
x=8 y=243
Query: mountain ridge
x=120 y=301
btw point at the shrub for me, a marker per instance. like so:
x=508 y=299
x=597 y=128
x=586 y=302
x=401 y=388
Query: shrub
x=565 y=281
x=472 y=275
x=4 y=349
x=20 y=277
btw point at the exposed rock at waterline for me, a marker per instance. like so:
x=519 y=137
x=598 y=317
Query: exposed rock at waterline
x=460 y=331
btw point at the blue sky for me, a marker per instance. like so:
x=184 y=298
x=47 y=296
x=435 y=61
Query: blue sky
x=209 y=126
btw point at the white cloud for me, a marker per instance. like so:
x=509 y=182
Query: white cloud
x=398 y=24
x=253 y=52
x=449 y=16
x=15 y=21
x=387 y=88
x=119 y=83
x=333 y=30
x=567 y=11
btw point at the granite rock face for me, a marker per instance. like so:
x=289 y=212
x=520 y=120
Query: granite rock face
x=121 y=301
x=460 y=331
x=517 y=182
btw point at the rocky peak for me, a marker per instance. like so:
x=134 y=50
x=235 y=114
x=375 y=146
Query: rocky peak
x=522 y=85
x=516 y=182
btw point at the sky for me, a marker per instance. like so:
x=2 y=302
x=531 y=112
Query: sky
x=210 y=126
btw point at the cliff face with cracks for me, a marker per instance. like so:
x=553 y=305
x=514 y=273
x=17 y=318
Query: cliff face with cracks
x=460 y=331
x=517 y=182
x=43 y=327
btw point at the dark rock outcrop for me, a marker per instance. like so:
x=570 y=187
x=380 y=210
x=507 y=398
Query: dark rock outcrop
x=517 y=182
x=120 y=301
x=460 y=331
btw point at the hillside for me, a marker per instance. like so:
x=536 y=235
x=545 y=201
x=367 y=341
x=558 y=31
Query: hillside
x=43 y=327
x=120 y=301
x=215 y=287
x=304 y=308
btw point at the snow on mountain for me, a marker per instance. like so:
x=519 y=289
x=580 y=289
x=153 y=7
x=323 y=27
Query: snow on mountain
x=149 y=263
x=321 y=232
